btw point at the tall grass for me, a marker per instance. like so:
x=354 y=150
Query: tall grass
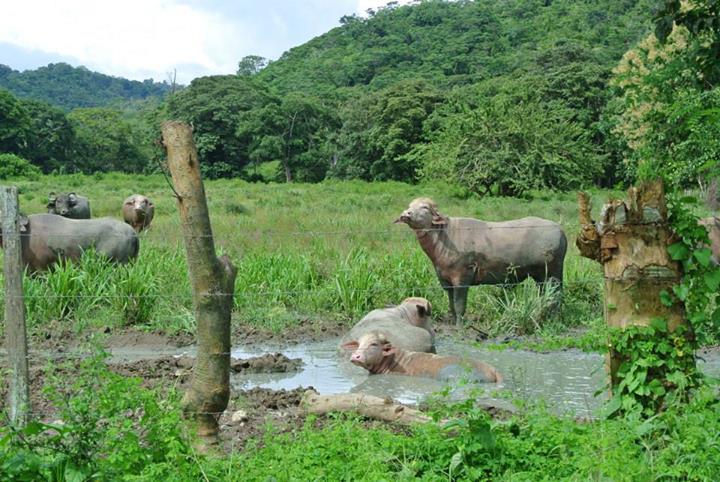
x=303 y=252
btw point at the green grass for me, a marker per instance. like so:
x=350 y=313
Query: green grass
x=324 y=251
x=143 y=438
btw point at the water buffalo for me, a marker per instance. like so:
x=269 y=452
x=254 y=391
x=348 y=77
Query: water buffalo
x=69 y=205
x=377 y=355
x=407 y=325
x=45 y=239
x=138 y=212
x=468 y=252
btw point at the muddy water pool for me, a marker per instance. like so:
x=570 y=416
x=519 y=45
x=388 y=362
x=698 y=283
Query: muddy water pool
x=566 y=380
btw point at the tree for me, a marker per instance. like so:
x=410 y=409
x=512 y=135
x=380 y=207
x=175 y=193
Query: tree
x=216 y=106
x=251 y=65
x=507 y=142
x=52 y=137
x=293 y=130
x=380 y=129
x=14 y=124
x=701 y=19
x=105 y=142
x=667 y=112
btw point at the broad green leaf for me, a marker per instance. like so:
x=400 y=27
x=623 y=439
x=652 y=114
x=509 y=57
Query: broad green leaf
x=612 y=406
x=703 y=256
x=678 y=251
x=681 y=291
x=712 y=279
x=666 y=298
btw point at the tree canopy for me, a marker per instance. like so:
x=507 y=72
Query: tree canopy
x=503 y=97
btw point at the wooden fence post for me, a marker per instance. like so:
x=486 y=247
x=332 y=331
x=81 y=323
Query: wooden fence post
x=630 y=241
x=15 y=332
x=212 y=280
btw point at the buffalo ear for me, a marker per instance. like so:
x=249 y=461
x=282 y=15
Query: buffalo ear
x=51 y=199
x=24 y=224
x=439 y=219
x=424 y=310
x=72 y=197
x=350 y=345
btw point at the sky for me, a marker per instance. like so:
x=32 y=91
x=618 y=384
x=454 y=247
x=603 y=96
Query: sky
x=142 y=39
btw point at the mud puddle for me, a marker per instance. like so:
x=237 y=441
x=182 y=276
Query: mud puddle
x=566 y=380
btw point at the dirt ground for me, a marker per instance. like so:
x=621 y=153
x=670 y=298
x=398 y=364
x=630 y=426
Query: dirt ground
x=248 y=412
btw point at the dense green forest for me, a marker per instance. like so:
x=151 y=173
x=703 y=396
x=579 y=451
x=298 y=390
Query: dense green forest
x=495 y=97
x=69 y=87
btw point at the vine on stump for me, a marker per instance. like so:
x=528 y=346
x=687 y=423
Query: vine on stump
x=660 y=284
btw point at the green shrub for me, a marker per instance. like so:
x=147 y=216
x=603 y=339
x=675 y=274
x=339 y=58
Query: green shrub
x=15 y=166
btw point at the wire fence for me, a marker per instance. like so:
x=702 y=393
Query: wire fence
x=150 y=233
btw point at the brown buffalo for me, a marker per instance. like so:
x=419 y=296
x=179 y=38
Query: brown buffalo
x=138 y=212
x=377 y=355
x=467 y=252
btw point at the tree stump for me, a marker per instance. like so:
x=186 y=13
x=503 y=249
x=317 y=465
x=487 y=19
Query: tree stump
x=630 y=241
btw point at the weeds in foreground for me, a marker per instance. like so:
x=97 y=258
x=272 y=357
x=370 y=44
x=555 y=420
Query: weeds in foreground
x=113 y=429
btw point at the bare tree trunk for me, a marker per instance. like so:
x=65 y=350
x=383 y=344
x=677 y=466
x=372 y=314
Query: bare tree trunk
x=631 y=241
x=212 y=280
x=15 y=332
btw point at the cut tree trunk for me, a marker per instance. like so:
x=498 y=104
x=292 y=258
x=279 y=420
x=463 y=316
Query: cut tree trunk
x=212 y=281
x=630 y=241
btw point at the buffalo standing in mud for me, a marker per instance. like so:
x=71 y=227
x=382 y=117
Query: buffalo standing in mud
x=407 y=325
x=69 y=205
x=45 y=239
x=467 y=252
x=138 y=212
x=377 y=355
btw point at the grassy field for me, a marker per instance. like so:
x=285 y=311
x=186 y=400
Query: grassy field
x=309 y=254
x=305 y=252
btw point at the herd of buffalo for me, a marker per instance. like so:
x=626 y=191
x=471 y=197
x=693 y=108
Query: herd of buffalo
x=67 y=229
x=464 y=252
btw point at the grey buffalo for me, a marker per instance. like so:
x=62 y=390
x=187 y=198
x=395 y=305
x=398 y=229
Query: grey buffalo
x=138 y=212
x=46 y=239
x=407 y=325
x=69 y=205
x=467 y=252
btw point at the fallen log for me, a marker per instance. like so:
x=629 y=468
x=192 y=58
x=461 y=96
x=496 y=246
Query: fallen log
x=384 y=409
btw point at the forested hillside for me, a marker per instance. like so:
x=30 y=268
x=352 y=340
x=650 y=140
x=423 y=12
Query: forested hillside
x=458 y=43
x=69 y=87
x=495 y=97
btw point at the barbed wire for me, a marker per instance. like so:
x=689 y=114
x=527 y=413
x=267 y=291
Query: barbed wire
x=318 y=290
x=344 y=232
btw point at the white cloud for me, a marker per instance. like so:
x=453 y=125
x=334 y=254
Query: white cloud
x=133 y=38
x=363 y=5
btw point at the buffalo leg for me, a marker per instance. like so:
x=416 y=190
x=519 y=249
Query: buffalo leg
x=451 y=300
x=460 y=300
